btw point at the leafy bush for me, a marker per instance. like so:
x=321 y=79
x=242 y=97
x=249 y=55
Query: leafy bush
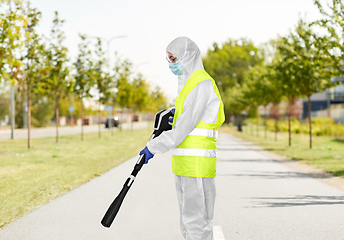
x=253 y=121
x=270 y=124
x=320 y=126
x=322 y=121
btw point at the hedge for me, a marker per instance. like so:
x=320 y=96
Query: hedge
x=320 y=126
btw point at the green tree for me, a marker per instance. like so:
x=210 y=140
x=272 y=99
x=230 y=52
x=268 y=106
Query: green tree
x=4 y=101
x=286 y=71
x=35 y=67
x=64 y=104
x=274 y=90
x=122 y=77
x=42 y=110
x=331 y=44
x=140 y=94
x=71 y=100
x=19 y=101
x=157 y=100
x=266 y=90
x=234 y=103
x=229 y=65
x=84 y=76
x=58 y=80
x=256 y=91
x=12 y=23
x=103 y=81
x=313 y=68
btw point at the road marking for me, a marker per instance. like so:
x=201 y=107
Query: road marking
x=218 y=234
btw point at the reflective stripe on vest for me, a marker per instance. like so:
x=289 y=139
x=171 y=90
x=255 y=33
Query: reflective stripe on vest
x=204 y=132
x=194 y=152
x=196 y=155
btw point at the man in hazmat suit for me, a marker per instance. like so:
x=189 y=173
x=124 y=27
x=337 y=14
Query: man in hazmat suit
x=197 y=115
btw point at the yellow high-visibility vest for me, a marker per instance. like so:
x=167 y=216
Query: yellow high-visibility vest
x=196 y=155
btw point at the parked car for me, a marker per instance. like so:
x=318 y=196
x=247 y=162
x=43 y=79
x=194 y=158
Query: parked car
x=114 y=121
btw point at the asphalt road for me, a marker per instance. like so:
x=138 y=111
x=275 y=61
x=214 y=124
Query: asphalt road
x=5 y=134
x=257 y=198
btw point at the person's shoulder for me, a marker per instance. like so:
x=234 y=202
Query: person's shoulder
x=206 y=84
x=204 y=87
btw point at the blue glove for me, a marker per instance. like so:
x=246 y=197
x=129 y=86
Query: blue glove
x=170 y=119
x=148 y=154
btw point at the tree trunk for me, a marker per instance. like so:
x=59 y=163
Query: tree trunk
x=266 y=127
x=121 y=121
x=239 y=123
x=12 y=111
x=99 y=121
x=132 y=121
x=310 y=120
x=28 y=117
x=257 y=128
x=112 y=122
x=289 y=130
x=82 y=121
x=275 y=129
x=257 y=123
x=57 y=117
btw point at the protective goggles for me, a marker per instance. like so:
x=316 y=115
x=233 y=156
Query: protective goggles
x=171 y=59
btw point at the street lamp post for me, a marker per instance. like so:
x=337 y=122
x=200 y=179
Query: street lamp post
x=108 y=47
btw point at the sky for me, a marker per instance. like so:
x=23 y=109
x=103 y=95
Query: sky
x=150 y=25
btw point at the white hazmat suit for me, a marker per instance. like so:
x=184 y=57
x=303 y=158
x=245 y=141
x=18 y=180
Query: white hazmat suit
x=196 y=196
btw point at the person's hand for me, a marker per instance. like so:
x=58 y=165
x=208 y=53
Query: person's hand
x=170 y=119
x=147 y=153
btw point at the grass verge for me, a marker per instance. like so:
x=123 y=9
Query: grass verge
x=32 y=177
x=327 y=152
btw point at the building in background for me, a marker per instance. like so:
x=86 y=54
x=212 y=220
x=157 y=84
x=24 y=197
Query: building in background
x=329 y=103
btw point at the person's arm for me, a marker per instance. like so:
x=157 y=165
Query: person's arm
x=194 y=108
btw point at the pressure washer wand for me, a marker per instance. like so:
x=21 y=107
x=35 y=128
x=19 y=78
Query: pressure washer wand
x=161 y=124
x=116 y=204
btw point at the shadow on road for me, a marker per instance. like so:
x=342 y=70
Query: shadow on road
x=277 y=175
x=250 y=149
x=251 y=160
x=237 y=144
x=295 y=201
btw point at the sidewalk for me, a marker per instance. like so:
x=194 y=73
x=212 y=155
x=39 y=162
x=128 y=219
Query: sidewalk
x=258 y=197
x=5 y=134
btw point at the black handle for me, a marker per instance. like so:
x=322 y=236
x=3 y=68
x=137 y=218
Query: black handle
x=116 y=204
x=161 y=124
